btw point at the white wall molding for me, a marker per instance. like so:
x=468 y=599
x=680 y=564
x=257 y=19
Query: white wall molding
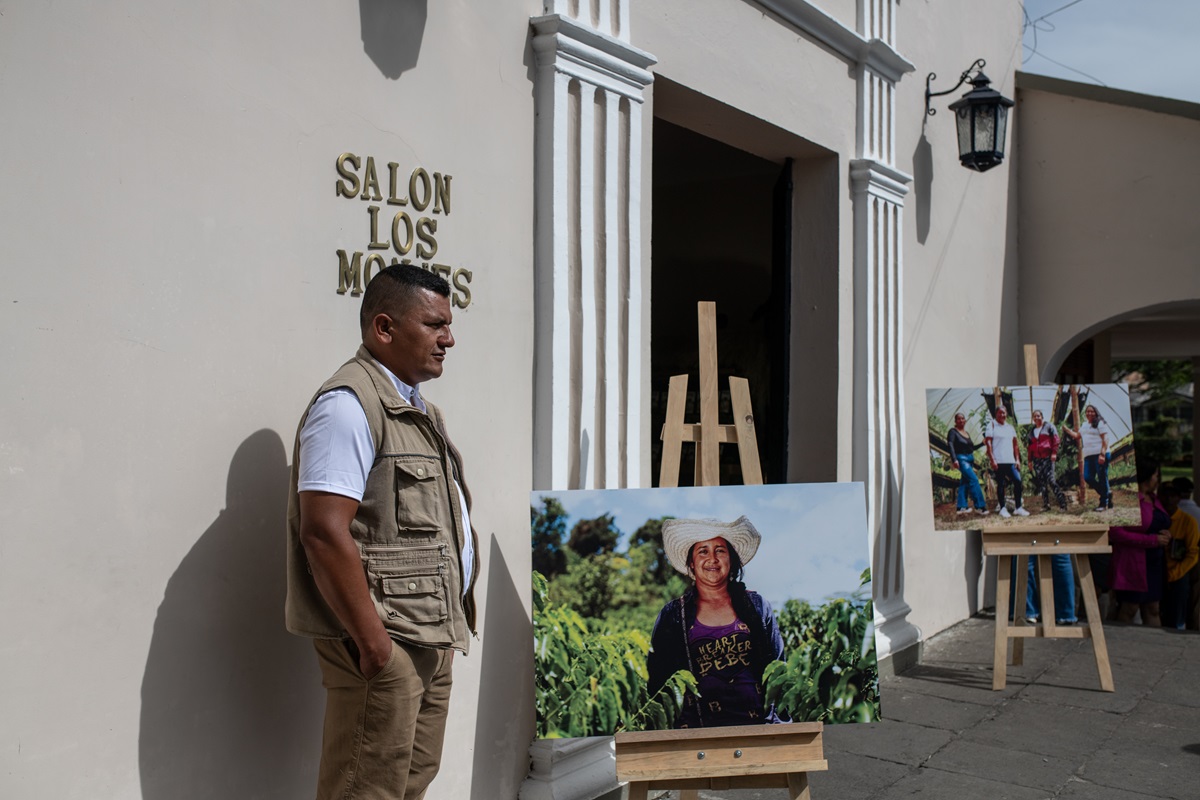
x=878 y=189
x=570 y=769
x=874 y=49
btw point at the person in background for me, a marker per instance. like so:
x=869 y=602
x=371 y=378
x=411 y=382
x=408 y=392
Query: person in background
x=1043 y=456
x=1183 y=553
x=1188 y=506
x=1137 y=553
x=962 y=453
x=1093 y=437
x=1004 y=455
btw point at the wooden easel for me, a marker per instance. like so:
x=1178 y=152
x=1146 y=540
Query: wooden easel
x=708 y=435
x=734 y=757
x=1043 y=542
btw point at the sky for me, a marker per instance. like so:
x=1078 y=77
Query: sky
x=814 y=545
x=1145 y=46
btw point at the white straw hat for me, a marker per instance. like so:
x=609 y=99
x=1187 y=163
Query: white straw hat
x=680 y=534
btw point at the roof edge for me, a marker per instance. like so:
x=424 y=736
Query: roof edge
x=1102 y=94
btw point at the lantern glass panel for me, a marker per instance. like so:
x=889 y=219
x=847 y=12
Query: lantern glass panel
x=966 y=141
x=985 y=128
x=1002 y=123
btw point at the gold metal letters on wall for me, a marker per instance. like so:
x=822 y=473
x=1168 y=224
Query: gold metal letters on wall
x=409 y=236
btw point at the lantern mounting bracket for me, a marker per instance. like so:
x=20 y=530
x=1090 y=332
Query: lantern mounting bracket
x=976 y=67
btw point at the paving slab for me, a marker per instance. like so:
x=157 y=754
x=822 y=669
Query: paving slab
x=1080 y=789
x=1152 y=714
x=955 y=684
x=1005 y=765
x=898 y=742
x=1068 y=733
x=932 y=711
x=935 y=784
x=1138 y=760
x=1179 y=686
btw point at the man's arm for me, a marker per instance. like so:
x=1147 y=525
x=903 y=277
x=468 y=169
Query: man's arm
x=991 y=456
x=1016 y=452
x=338 y=571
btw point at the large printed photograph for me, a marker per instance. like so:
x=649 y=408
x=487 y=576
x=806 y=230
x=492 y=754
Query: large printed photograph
x=658 y=609
x=1032 y=455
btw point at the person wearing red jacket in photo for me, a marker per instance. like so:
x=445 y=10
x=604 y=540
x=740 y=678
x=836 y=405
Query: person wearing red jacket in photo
x=1043 y=455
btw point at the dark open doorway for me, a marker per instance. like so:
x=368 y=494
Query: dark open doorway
x=721 y=232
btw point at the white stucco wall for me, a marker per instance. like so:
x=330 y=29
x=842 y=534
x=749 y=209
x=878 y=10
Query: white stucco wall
x=1107 y=209
x=169 y=305
x=960 y=278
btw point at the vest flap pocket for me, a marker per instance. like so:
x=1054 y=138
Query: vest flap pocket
x=422 y=507
x=419 y=599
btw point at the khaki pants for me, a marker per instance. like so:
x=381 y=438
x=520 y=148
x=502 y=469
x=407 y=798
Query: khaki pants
x=383 y=737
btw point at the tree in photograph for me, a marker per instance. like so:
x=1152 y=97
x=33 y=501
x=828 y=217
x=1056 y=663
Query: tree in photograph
x=548 y=528
x=650 y=535
x=590 y=536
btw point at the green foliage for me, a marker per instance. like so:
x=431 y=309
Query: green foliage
x=1159 y=379
x=547 y=528
x=591 y=536
x=830 y=672
x=650 y=533
x=590 y=684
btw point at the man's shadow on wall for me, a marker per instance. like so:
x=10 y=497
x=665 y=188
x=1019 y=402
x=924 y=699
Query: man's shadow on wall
x=231 y=702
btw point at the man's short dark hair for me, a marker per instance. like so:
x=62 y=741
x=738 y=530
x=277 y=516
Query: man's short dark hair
x=393 y=288
x=1184 y=486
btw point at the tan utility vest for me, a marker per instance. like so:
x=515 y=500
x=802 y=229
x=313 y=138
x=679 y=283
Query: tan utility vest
x=408 y=527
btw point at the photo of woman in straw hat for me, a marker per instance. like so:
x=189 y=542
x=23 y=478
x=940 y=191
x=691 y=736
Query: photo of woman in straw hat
x=721 y=632
x=658 y=609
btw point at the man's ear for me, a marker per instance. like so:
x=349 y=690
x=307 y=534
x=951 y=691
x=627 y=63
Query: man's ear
x=381 y=328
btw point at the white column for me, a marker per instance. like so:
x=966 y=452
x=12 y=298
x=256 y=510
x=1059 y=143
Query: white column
x=878 y=189
x=588 y=338
x=588 y=382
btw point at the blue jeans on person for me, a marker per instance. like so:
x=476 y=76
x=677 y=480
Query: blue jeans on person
x=969 y=483
x=1095 y=475
x=1063 y=577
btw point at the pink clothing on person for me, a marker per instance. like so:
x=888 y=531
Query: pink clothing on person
x=1129 y=549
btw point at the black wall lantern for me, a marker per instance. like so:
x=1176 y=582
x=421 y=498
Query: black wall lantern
x=982 y=118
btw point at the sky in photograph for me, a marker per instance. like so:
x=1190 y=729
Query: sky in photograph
x=814 y=545
x=1145 y=46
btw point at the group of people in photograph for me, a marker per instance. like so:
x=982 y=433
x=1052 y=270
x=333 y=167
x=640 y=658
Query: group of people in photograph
x=1042 y=445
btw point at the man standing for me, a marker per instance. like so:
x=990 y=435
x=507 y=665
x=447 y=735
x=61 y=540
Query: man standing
x=1005 y=458
x=381 y=554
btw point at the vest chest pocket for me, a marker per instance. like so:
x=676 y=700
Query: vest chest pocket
x=421 y=500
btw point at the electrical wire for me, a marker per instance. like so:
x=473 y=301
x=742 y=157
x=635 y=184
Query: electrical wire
x=1040 y=24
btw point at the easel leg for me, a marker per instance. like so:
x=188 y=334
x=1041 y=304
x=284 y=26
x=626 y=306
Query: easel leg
x=689 y=794
x=1000 y=657
x=1046 y=592
x=1018 y=603
x=638 y=790
x=798 y=786
x=1083 y=567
